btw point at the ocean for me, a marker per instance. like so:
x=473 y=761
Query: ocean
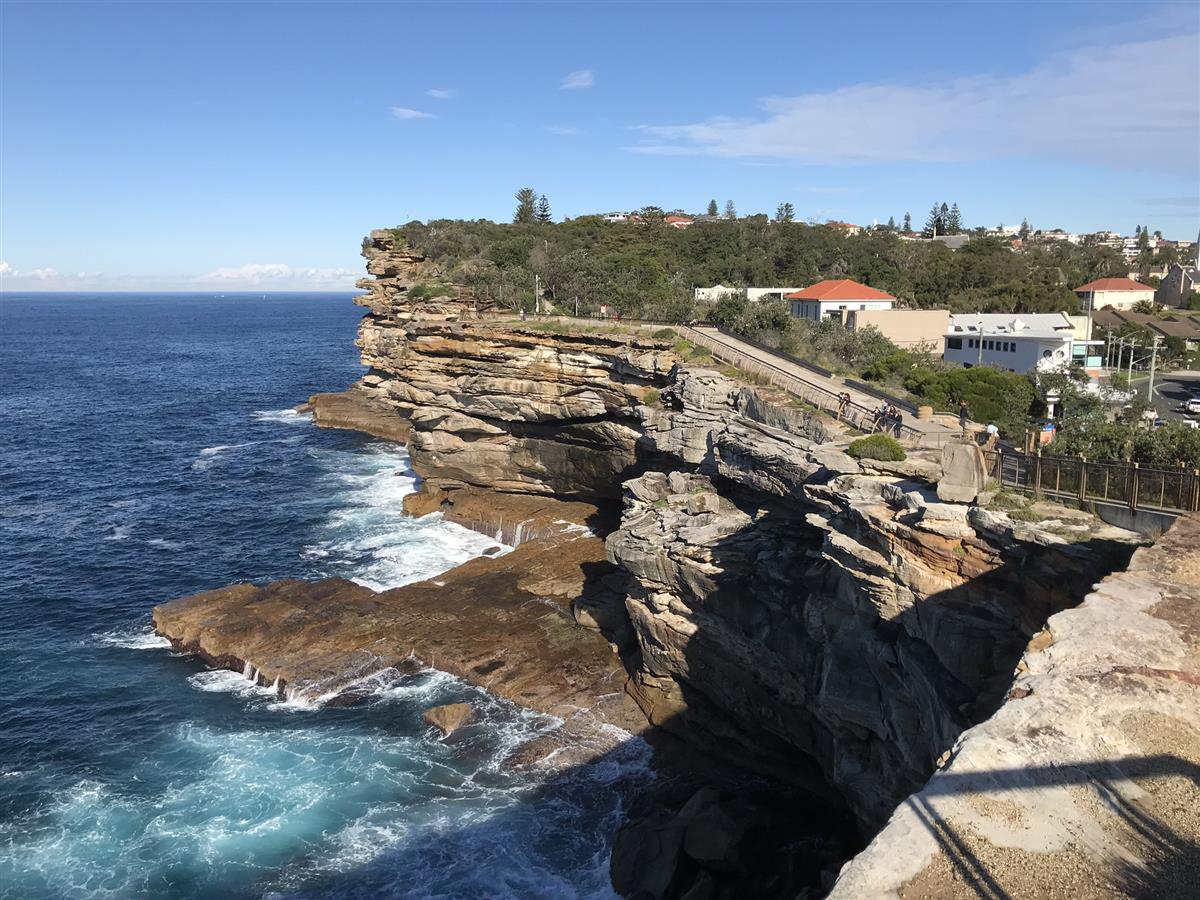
x=149 y=450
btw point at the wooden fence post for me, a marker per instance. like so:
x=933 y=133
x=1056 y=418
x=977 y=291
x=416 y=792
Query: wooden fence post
x=1133 y=487
x=1083 y=479
x=1195 y=498
x=1037 y=472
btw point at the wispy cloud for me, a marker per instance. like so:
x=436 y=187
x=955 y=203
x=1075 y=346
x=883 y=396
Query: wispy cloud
x=1068 y=107
x=278 y=276
x=564 y=130
x=577 y=80
x=403 y=112
x=442 y=93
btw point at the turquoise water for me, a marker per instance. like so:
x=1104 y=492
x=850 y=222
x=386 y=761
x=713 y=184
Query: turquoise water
x=149 y=450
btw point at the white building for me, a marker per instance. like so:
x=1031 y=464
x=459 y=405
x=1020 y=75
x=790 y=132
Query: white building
x=1037 y=342
x=830 y=299
x=714 y=293
x=754 y=295
x=1119 y=293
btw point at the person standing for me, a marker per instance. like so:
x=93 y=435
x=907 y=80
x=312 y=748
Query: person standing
x=964 y=416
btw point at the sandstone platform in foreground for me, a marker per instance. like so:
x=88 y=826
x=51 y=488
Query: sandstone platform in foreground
x=1086 y=782
x=503 y=623
x=354 y=410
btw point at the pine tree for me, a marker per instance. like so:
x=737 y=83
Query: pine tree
x=543 y=210
x=1137 y=230
x=712 y=207
x=891 y=225
x=730 y=210
x=785 y=212
x=935 y=224
x=953 y=220
x=907 y=222
x=526 y=198
x=1024 y=232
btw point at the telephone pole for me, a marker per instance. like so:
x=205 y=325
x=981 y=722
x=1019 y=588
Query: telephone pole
x=1153 y=361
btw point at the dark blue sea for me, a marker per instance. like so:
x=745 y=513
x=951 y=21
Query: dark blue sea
x=148 y=450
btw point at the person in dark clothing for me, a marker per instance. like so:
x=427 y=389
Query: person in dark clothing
x=964 y=416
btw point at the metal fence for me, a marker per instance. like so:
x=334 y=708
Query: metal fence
x=1090 y=481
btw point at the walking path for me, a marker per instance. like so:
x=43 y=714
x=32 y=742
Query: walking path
x=821 y=390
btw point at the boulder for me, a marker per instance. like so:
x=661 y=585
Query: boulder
x=703 y=503
x=835 y=460
x=449 y=718
x=963 y=473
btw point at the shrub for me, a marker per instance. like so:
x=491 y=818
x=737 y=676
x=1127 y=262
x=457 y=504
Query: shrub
x=877 y=446
x=665 y=334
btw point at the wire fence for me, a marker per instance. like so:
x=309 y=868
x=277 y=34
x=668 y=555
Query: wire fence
x=1092 y=481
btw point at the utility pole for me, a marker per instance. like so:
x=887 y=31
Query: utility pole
x=537 y=297
x=1153 y=361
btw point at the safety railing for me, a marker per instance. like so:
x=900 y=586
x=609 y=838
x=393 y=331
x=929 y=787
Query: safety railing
x=1076 y=478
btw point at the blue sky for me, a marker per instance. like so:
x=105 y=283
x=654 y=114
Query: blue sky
x=229 y=145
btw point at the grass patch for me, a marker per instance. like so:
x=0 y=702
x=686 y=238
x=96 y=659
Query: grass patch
x=652 y=398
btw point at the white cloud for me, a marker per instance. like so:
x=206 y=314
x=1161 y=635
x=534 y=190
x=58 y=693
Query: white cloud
x=403 y=112
x=442 y=93
x=564 y=130
x=278 y=276
x=9 y=271
x=580 y=78
x=1074 y=106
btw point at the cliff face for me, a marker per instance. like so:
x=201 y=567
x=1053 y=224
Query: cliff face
x=776 y=602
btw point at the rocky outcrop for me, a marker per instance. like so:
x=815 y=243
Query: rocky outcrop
x=404 y=284
x=1086 y=782
x=448 y=718
x=847 y=635
x=503 y=623
x=356 y=410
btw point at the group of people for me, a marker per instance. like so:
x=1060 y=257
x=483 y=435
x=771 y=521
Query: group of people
x=886 y=418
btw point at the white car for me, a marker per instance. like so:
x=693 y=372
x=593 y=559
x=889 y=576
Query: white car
x=1193 y=405
x=1189 y=423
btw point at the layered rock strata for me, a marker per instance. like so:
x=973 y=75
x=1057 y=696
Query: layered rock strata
x=861 y=630
x=1086 y=782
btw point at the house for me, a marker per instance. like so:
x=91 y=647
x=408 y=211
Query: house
x=754 y=295
x=1178 y=286
x=616 y=217
x=714 y=293
x=680 y=222
x=1119 y=293
x=828 y=299
x=845 y=228
x=1026 y=343
x=908 y=329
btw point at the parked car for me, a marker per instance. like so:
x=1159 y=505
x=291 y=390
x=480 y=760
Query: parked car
x=1193 y=405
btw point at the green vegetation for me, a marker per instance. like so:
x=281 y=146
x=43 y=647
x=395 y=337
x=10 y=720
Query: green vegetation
x=649 y=270
x=652 y=398
x=877 y=446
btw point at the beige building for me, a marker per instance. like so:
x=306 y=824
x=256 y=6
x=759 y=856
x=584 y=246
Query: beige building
x=1119 y=293
x=906 y=328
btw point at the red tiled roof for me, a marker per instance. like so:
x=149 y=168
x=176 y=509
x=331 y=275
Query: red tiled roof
x=678 y=219
x=1114 y=284
x=840 y=289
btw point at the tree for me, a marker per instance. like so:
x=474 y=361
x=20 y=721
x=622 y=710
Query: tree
x=907 y=223
x=712 y=207
x=785 y=212
x=953 y=220
x=526 y=198
x=1143 y=239
x=891 y=225
x=935 y=224
x=730 y=210
x=543 y=210
x=1137 y=230
x=1024 y=232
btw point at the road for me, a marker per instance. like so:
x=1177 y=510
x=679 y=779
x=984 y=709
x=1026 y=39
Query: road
x=1170 y=391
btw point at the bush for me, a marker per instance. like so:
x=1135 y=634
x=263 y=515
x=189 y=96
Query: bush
x=877 y=446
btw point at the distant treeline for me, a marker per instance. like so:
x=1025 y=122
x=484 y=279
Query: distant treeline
x=649 y=269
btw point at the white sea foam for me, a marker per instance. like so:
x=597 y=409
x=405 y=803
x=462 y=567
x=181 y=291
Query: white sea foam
x=164 y=544
x=208 y=455
x=368 y=538
x=282 y=416
x=118 y=533
x=142 y=638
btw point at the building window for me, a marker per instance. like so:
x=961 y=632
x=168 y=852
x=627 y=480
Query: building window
x=953 y=343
